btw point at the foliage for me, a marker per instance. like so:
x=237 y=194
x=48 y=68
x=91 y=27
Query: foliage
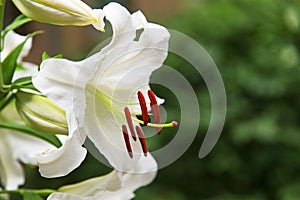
x=256 y=46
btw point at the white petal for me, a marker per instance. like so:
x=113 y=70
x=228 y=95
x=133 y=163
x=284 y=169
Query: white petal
x=25 y=146
x=121 y=22
x=128 y=64
x=29 y=70
x=60 y=162
x=99 y=14
x=11 y=41
x=113 y=186
x=62 y=81
x=11 y=172
x=104 y=130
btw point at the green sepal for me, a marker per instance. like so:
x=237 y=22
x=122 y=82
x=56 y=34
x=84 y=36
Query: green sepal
x=52 y=139
x=45 y=56
x=10 y=63
x=31 y=196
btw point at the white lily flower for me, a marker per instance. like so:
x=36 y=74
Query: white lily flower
x=100 y=92
x=71 y=12
x=16 y=147
x=113 y=186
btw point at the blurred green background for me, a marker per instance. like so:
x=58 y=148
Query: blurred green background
x=256 y=45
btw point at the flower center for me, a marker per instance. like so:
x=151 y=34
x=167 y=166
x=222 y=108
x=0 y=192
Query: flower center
x=120 y=110
x=145 y=116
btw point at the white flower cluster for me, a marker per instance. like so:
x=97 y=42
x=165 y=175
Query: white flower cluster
x=67 y=101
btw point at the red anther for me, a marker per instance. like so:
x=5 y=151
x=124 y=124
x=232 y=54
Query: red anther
x=155 y=110
x=152 y=97
x=126 y=139
x=143 y=107
x=142 y=139
x=130 y=123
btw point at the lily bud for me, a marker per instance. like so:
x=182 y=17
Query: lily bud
x=39 y=113
x=70 y=12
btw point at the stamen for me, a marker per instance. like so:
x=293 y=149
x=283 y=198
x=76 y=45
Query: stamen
x=152 y=97
x=129 y=122
x=126 y=139
x=143 y=107
x=155 y=110
x=142 y=140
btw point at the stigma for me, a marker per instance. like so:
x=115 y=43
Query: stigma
x=137 y=131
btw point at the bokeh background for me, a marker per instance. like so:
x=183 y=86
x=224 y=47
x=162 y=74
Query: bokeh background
x=256 y=45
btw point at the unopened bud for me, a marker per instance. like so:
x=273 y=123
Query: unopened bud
x=70 y=12
x=39 y=113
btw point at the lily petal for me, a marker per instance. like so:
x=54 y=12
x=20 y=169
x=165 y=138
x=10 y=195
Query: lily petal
x=113 y=186
x=11 y=41
x=11 y=171
x=29 y=70
x=66 y=78
x=129 y=62
x=60 y=162
x=107 y=137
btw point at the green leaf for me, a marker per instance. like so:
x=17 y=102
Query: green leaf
x=52 y=139
x=31 y=196
x=23 y=80
x=10 y=63
x=19 y=21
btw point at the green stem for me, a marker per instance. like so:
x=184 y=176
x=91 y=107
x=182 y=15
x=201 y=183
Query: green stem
x=2 y=6
x=42 y=192
x=52 y=139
